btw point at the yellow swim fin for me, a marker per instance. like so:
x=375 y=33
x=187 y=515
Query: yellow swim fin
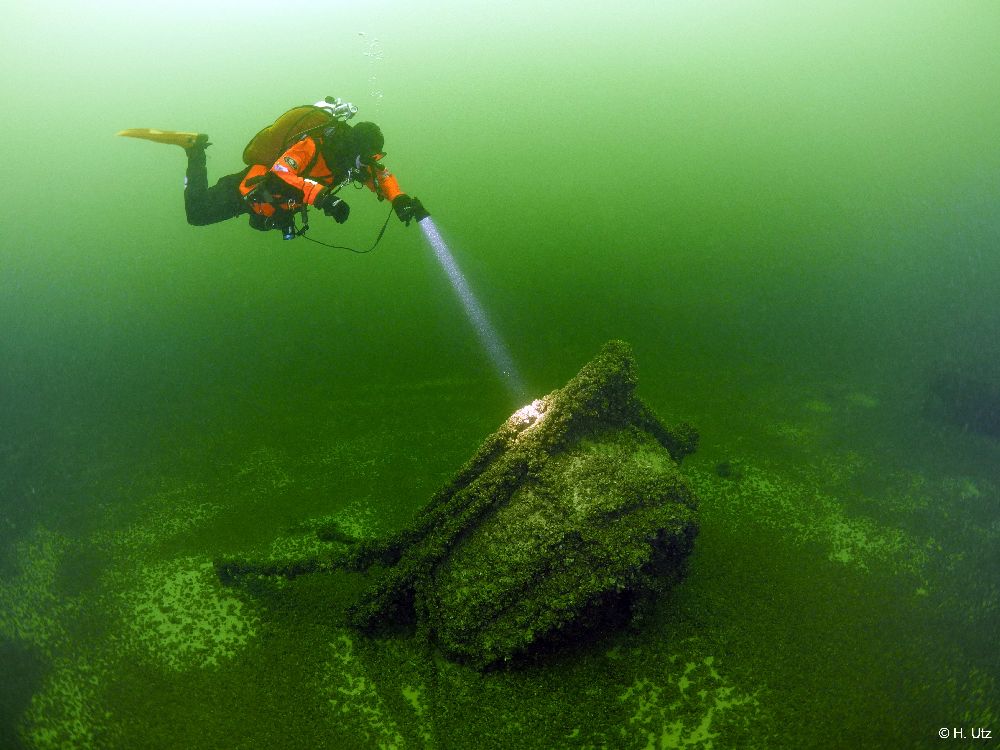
x=174 y=137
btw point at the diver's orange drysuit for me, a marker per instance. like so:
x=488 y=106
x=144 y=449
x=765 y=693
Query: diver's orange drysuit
x=298 y=176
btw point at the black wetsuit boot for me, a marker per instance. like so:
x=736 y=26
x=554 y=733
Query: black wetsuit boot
x=208 y=205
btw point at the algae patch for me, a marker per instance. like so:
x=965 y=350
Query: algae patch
x=30 y=608
x=354 y=698
x=684 y=707
x=808 y=515
x=179 y=616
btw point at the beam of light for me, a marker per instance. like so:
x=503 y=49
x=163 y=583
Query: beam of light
x=488 y=335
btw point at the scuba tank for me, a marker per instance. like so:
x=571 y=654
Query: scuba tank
x=274 y=140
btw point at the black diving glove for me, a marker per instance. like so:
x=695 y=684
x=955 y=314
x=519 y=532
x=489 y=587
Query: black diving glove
x=409 y=209
x=332 y=206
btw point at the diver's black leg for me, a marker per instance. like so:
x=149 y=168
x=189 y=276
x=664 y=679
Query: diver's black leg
x=208 y=205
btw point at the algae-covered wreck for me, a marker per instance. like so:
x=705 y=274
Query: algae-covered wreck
x=568 y=515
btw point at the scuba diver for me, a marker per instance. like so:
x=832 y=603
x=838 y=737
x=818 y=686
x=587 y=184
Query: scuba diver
x=303 y=159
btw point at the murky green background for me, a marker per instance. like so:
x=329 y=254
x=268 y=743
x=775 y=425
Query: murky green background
x=788 y=209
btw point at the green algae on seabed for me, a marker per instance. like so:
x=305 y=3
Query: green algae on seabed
x=298 y=683
x=177 y=615
x=685 y=707
x=31 y=610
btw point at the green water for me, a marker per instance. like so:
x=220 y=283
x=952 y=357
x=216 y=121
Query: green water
x=788 y=209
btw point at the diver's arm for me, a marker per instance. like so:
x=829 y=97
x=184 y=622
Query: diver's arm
x=388 y=186
x=383 y=183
